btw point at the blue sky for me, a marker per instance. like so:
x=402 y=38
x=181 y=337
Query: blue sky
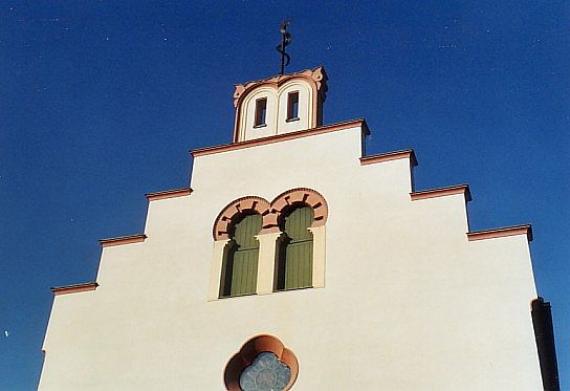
x=101 y=100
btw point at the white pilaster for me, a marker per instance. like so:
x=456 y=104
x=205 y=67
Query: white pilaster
x=216 y=269
x=266 y=265
x=319 y=250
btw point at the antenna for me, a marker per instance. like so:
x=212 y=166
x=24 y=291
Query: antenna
x=285 y=41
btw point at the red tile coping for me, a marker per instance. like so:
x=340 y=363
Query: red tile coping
x=122 y=240
x=161 y=195
x=282 y=137
x=75 y=288
x=442 y=191
x=387 y=156
x=525 y=229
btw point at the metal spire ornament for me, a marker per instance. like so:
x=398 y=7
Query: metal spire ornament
x=285 y=41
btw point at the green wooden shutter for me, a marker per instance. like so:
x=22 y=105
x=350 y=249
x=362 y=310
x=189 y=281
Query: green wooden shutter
x=239 y=269
x=298 y=254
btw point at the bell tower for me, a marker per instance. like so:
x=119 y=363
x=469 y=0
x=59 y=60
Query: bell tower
x=281 y=104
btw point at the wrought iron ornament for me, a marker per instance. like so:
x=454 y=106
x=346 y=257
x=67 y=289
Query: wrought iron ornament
x=285 y=41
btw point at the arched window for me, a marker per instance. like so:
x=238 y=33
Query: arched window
x=261 y=247
x=240 y=259
x=295 y=250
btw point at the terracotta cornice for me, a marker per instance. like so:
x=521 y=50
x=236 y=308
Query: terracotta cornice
x=388 y=156
x=441 y=192
x=282 y=137
x=75 y=288
x=122 y=240
x=161 y=195
x=525 y=229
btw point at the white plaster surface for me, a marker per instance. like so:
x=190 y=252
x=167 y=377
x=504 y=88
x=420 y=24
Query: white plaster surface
x=409 y=303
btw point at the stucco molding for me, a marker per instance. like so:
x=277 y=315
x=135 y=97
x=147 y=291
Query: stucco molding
x=389 y=156
x=442 y=192
x=282 y=137
x=120 y=240
x=253 y=204
x=525 y=229
x=75 y=288
x=161 y=195
x=248 y=353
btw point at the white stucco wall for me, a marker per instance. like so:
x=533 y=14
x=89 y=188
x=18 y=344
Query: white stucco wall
x=408 y=304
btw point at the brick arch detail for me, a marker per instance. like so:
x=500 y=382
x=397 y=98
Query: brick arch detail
x=291 y=197
x=248 y=353
x=241 y=205
x=271 y=212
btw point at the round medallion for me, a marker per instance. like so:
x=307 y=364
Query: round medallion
x=266 y=373
x=262 y=364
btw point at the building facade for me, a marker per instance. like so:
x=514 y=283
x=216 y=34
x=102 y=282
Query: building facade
x=296 y=261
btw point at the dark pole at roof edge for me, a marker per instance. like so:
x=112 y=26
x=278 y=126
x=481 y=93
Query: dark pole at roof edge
x=285 y=41
x=544 y=333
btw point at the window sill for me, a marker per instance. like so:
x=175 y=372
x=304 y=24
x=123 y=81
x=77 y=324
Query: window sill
x=293 y=289
x=234 y=296
x=294 y=119
x=260 y=126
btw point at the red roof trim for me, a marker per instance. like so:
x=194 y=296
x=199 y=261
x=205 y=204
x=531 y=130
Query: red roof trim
x=441 y=192
x=75 y=288
x=281 y=137
x=525 y=229
x=122 y=240
x=388 y=156
x=161 y=195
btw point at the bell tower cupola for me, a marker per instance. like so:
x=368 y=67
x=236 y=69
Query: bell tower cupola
x=280 y=104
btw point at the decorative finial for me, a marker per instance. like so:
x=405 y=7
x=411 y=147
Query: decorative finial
x=285 y=41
